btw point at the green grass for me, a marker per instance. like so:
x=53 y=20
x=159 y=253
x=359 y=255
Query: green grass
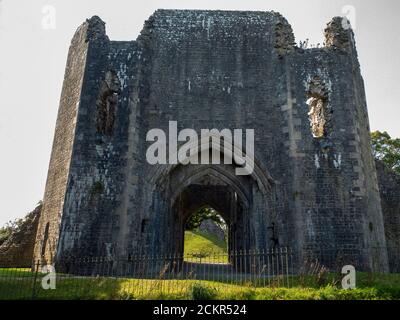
x=15 y=272
x=19 y=284
x=121 y=289
x=202 y=245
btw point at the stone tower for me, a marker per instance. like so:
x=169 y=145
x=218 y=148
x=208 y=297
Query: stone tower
x=314 y=185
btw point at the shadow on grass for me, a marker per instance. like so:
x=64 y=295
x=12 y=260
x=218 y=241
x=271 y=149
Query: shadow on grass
x=24 y=286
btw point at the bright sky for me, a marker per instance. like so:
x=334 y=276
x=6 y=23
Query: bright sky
x=33 y=57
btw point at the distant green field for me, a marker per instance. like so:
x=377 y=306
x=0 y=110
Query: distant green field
x=205 y=246
x=15 y=272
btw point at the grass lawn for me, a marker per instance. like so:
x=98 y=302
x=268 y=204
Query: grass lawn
x=369 y=287
x=202 y=245
x=15 y=272
x=20 y=283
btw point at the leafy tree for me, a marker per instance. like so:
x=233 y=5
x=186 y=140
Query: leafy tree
x=15 y=225
x=4 y=234
x=8 y=228
x=203 y=214
x=386 y=149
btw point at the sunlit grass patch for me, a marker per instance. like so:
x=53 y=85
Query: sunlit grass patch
x=68 y=287
x=199 y=245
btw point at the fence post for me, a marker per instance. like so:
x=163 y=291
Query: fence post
x=34 y=280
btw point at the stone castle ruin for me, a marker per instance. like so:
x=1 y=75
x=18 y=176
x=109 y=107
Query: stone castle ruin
x=314 y=187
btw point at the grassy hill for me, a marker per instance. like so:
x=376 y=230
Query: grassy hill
x=202 y=245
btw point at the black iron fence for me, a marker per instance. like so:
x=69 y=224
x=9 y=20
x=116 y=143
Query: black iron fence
x=144 y=277
x=178 y=276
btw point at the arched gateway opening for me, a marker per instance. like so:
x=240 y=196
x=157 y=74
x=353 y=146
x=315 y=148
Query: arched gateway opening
x=211 y=192
x=245 y=202
x=206 y=236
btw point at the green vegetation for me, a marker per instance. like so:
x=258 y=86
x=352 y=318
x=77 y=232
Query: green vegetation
x=386 y=149
x=9 y=228
x=202 y=245
x=203 y=214
x=15 y=225
x=15 y=272
x=202 y=292
x=369 y=287
x=5 y=233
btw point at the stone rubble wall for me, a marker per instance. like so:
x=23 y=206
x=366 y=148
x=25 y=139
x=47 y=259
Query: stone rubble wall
x=389 y=188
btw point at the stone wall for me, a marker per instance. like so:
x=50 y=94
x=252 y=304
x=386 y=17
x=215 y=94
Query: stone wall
x=389 y=187
x=60 y=160
x=314 y=187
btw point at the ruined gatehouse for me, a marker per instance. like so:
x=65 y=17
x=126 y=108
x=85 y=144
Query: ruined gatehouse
x=314 y=186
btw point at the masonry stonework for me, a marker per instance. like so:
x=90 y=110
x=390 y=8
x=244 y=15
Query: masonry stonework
x=389 y=187
x=317 y=194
